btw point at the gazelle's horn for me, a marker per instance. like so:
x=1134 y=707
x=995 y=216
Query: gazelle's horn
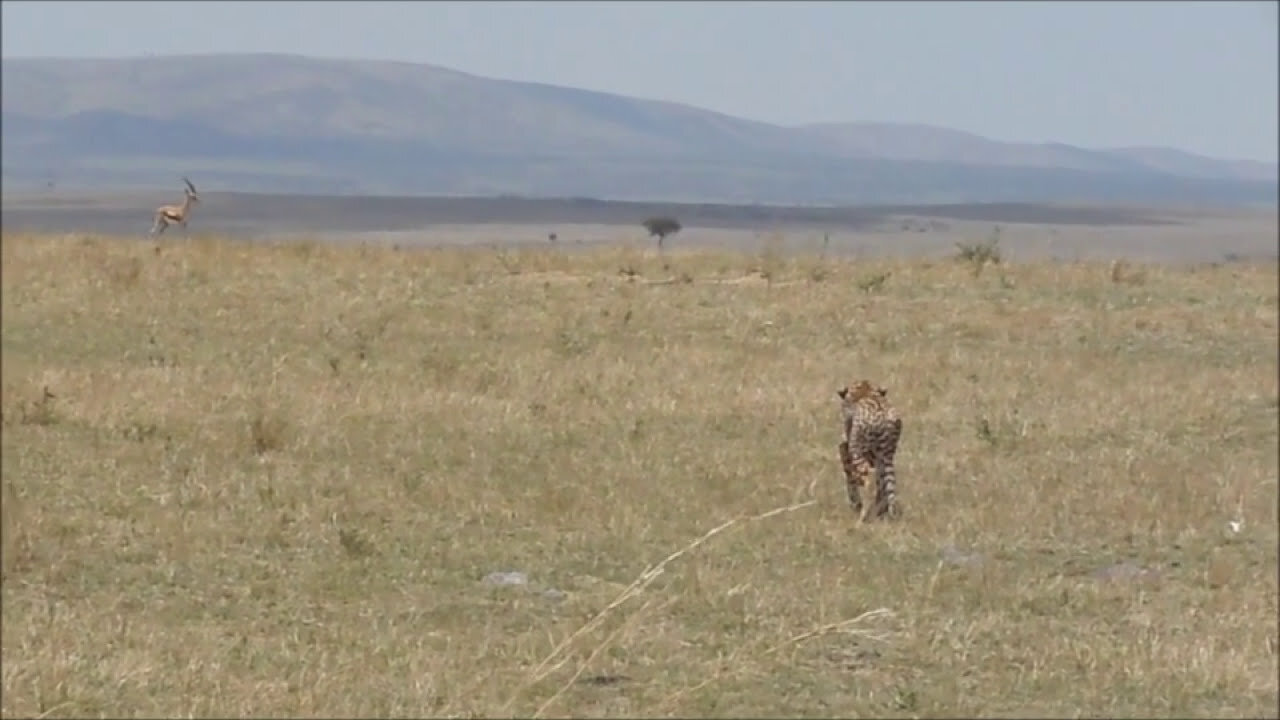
x=188 y=182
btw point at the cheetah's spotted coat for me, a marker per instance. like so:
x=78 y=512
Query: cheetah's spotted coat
x=872 y=428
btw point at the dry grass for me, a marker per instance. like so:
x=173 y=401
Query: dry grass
x=269 y=481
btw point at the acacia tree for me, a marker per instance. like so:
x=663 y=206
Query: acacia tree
x=661 y=227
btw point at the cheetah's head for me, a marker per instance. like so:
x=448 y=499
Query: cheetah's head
x=859 y=390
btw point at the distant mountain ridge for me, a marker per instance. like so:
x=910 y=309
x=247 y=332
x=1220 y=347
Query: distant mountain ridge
x=294 y=124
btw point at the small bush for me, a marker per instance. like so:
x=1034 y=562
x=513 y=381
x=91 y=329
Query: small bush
x=980 y=254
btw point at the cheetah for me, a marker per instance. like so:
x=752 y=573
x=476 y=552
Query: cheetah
x=872 y=428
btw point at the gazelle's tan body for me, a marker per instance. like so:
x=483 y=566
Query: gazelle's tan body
x=167 y=215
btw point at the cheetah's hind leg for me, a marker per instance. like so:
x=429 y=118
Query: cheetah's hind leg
x=851 y=478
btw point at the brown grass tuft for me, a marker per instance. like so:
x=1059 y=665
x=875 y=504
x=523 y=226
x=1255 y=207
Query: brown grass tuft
x=267 y=432
x=272 y=480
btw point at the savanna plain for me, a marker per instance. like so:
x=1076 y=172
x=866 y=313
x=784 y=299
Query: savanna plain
x=310 y=479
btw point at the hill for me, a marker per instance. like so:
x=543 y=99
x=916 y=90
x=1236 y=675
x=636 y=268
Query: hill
x=295 y=124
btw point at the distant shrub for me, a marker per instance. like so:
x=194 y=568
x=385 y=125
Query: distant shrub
x=661 y=227
x=980 y=254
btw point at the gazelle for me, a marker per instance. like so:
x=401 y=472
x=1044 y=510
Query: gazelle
x=176 y=214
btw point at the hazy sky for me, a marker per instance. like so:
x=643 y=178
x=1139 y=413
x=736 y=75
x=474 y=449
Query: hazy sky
x=1198 y=76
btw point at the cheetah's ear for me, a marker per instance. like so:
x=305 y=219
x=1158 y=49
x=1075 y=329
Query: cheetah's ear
x=843 y=392
x=883 y=392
